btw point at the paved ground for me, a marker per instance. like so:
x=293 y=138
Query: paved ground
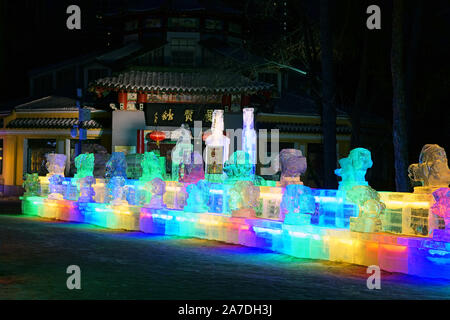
x=34 y=255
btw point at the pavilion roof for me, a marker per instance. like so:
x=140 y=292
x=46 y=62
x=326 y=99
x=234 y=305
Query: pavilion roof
x=197 y=82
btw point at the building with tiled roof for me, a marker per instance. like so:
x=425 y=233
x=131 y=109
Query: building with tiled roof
x=49 y=124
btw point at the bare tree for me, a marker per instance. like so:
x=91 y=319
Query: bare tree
x=400 y=136
x=328 y=96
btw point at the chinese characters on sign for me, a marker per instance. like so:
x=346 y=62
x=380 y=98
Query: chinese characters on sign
x=167 y=114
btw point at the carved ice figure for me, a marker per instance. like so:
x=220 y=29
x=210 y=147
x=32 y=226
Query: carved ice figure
x=182 y=150
x=244 y=199
x=432 y=169
x=55 y=187
x=116 y=166
x=441 y=207
x=370 y=209
x=71 y=192
x=293 y=164
x=116 y=188
x=239 y=167
x=87 y=193
x=297 y=205
x=191 y=168
x=31 y=185
x=249 y=137
x=151 y=167
x=55 y=164
x=217 y=145
x=198 y=195
x=85 y=165
x=353 y=169
x=156 y=189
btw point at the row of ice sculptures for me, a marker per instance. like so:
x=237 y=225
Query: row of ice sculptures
x=238 y=182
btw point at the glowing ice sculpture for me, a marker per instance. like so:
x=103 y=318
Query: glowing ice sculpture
x=55 y=187
x=116 y=166
x=441 y=207
x=432 y=170
x=239 y=167
x=55 y=164
x=156 y=188
x=87 y=193
x=182 y=149
x=297 y=205
x=151 y=167
x=191 y=168
x=217 y=147
x=244 y=199
x=293 y=164
x=370 y=209
x=353 y=169
x=31 y=185
x=116 y=189
x=198 y=195
x=85 y=165
x=249 y=137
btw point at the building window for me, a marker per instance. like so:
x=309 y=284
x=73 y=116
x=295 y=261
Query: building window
x=1 y=156
x=183 y=23
x=183 y=52
x=131 y=25
x=234 y=28
x=152 y=23
x=37 y=149
x=213 y=25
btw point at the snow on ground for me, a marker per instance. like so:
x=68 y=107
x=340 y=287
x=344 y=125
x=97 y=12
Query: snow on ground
x=34 y=255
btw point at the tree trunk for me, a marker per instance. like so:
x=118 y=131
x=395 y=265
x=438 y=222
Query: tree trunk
x=400 y=136
x=328 y=97
x=360 y=97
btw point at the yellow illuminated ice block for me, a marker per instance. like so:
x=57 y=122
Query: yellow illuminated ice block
x=406 y=213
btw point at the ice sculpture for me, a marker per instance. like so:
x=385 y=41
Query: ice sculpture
x=87 y=192
x=249 y=137
x=432 y=170
x=55 y=187
x=55 y=164
x=71 y=192
x=116 y=166
x=293 y=164
x=441 y=207
x=244 y=199
x=134 y=168
x=151 y=167
x=239 y=167
x=217 y=145
x=31 y=184
x=297 y=205
x=198 y=195
x=182 y=149
x=156 y=188
x=116 y=189
x=85 y=165
x=370 y=209
x=353 y=169
x=191 y=168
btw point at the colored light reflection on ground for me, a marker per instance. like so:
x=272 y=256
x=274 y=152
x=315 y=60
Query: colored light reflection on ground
x=134 y=265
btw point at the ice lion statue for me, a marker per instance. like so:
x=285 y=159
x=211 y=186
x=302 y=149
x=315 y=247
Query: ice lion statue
x=353 y=169
x=151 y=167
x=432 y=170
x=370 y=209
x=244 y=199
x=85 y=165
